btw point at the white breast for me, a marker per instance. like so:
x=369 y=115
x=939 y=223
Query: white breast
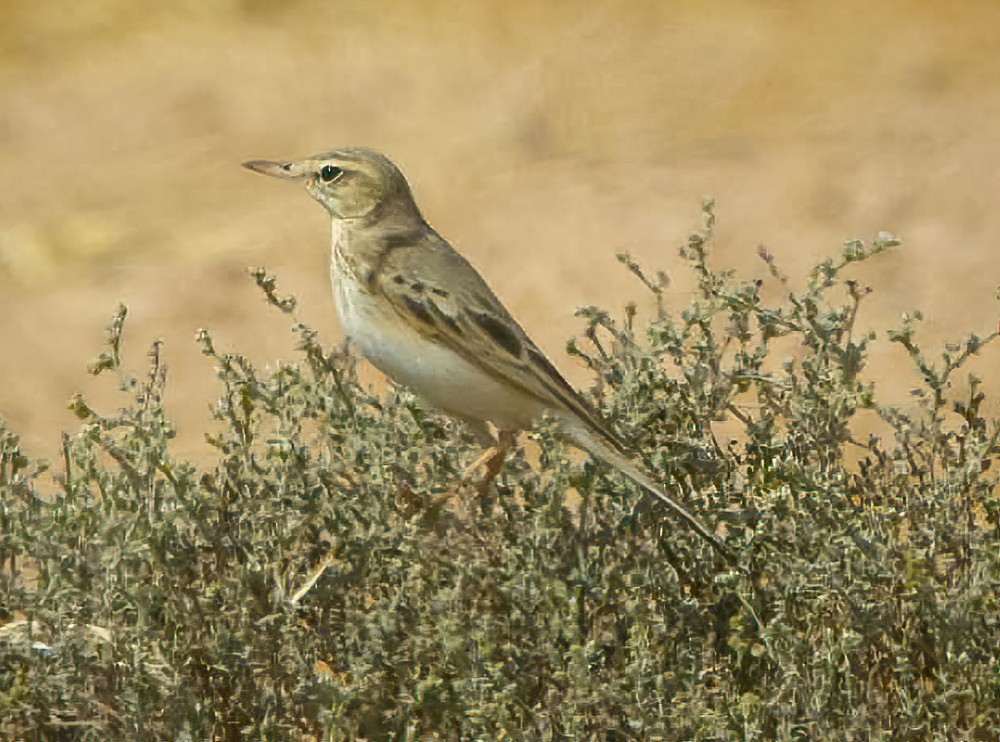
x=433 y=371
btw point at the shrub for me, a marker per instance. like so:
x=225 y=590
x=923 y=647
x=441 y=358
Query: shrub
x=329 y=577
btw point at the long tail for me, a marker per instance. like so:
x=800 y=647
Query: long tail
x=582 y=437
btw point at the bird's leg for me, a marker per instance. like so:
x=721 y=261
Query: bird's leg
x=492 y=465
x=491 y=460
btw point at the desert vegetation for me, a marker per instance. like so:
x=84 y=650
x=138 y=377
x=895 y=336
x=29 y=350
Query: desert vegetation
x=327 y=576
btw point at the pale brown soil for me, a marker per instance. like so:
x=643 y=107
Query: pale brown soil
x=541 y=138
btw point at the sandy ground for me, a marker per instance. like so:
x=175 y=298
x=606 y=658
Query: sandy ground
x=540 y=138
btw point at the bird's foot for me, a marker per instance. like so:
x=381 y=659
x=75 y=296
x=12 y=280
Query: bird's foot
x=490 y=461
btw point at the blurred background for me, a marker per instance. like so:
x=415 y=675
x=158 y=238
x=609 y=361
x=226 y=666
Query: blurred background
x=540 y=137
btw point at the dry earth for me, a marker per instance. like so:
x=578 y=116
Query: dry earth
x=541 y=138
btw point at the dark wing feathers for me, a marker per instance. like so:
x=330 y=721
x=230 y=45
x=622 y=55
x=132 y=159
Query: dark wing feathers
x=467 y=317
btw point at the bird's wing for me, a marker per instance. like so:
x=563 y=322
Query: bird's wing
x=440 y=294
x=436 y=291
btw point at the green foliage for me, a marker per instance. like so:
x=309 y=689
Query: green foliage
x=330 y=577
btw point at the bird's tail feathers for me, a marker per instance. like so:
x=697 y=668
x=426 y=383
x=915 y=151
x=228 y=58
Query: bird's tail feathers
x=583 y=438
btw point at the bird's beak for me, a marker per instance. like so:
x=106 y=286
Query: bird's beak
x=283 y=170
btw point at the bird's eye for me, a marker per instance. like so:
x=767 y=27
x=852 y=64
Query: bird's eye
x=329 y=173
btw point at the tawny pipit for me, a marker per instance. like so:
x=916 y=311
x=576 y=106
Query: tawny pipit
x=423 y=316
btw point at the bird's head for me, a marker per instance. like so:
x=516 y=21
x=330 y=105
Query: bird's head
x=352 y=183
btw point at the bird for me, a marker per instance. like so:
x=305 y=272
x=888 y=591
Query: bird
x=425 y=317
